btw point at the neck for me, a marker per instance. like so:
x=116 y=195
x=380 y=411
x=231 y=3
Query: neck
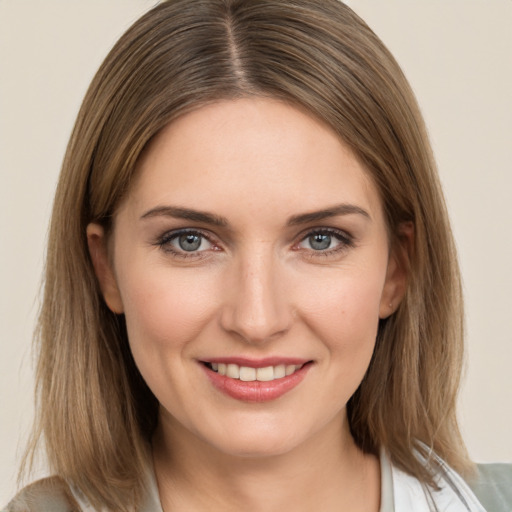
x=326 y=472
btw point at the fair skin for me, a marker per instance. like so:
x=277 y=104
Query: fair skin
x=214 y=259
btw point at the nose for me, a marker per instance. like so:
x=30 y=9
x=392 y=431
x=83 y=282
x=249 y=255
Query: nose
x=257 y=308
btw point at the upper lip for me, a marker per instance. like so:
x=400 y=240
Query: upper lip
x=257 y=363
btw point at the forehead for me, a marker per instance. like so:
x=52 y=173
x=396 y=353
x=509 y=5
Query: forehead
x=255 y=153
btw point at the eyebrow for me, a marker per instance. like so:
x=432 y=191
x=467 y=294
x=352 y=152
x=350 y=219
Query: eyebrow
x=334 y=211
x=187 y=214
x=216 y=220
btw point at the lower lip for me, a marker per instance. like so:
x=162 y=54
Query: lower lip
x=256 y=391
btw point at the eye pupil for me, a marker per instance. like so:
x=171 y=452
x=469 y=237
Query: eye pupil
x=189 y=242
x=320 y=242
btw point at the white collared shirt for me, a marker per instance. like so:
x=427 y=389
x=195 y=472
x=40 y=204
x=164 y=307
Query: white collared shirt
x=401 y=492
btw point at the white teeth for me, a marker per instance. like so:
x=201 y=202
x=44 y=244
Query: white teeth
x=279 y=371
x=265 y=374
x=249 y=374
x=233 y=371
x=290 y=368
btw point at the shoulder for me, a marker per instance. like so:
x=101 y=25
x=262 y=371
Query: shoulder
x=492 y=485
x=49 y=494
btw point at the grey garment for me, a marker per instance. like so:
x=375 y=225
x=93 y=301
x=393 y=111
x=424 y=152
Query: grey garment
x=46 y=495
x=492 y=485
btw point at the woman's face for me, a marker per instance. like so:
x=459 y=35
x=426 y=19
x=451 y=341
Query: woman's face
x=252 y=242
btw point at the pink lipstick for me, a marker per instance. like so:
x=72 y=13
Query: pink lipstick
x=258 y=380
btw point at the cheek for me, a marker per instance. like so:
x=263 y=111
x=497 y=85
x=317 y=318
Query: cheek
x=165 y=309
x=344 y=312
x=347 y=300
x=165 y=312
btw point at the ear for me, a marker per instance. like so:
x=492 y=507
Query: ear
x=398 y=270
x=98 y=250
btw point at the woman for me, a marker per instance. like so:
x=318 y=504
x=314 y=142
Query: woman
x=252 y=299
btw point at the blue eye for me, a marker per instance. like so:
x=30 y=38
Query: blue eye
x=319 y=241
x=190 y=242
x=182 y=242
x=325 y=240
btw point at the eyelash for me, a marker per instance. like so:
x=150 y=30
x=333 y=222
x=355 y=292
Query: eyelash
x=164 y=242
x=345 y=240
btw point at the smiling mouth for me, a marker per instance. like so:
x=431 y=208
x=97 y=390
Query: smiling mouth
x=250 y=374
x=256 y=380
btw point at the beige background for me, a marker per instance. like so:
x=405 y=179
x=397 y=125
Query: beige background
x=458 y=57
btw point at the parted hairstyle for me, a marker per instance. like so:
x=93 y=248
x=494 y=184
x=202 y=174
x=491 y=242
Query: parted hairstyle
x=95 y=414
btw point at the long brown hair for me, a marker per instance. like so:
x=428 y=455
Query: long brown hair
x=95 y=413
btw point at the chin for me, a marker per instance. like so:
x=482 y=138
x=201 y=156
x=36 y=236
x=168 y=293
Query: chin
x=257 y=439
x=257 y=447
